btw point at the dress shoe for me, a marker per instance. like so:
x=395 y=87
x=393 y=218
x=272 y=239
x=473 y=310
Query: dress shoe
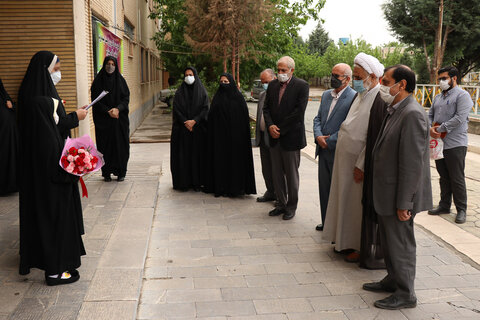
x=319 y=227
x=438 y=210
x=265 y=199
x=276 y=212
x=377 y=287
x=344 y=251
x=353 y=257
x=288 y=215
x=120 y=179
x=394 y=303
x=461 y=217
x=107 y=179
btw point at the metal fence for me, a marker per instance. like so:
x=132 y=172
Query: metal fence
x=424 y=93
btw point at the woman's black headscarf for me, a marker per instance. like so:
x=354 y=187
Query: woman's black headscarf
x=114 y=83
x=189 y=99
x=37 y=80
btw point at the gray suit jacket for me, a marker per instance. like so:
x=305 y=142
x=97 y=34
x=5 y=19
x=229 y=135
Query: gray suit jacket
x=256 y=142
x=401 y=162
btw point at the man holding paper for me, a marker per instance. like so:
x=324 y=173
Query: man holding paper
x=110 y=115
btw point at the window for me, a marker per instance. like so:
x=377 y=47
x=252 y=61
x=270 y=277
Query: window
x=129 y=29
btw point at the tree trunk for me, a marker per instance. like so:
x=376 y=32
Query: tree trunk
x=224 y=59
x=437 y=54
x=234 y=50
x=238 y=63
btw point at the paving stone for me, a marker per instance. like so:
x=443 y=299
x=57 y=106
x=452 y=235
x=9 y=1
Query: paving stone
x=343 y=302
x=323 y=315
x=115 y=284
x=277 y=316
x=439 y=295
x=288 y=268
x=225 y=308
x=12 y=294
x=220 y=282
x=377 y=314
x=302 y=291
x=193 y=295
x=270 y=280
x=168 y=283
x=296 y=305
x=166 y=311
x=262 y=259
x=118 y=310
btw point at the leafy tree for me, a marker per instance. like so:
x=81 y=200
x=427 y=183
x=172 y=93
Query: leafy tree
x=319 y=41
x=445 y=30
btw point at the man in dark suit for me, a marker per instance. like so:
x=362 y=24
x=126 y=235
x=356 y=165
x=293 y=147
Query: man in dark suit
x=331 y=113
x=401 y=185
x=284 y=111
x=262 y=139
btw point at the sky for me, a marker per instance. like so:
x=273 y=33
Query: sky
x=353 y=19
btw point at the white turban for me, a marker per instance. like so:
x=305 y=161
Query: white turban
x=369 y=63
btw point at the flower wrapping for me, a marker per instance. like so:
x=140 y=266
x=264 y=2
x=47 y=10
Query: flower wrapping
x=79 y=157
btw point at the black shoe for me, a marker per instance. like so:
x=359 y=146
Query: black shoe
x=288 y=215
x=107 y=179
x=319 y=227
x=276 y=212
x=438 y=210
x=377 y=287
x=120 y=179
x=265 y=199
x=394 y=303
x=461 y=217
x=58 y=280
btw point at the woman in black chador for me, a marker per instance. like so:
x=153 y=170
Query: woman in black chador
x=189 y=132
x=9 y=145
x=51 y=222
x=229 y=159
x=110 y=116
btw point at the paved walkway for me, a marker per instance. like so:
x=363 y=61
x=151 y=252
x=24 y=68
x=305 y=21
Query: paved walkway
x=154 y=253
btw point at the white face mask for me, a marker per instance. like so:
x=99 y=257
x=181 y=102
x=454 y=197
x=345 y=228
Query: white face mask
x=385 y=94
x=283 y=77
x=189 y=79
x=56 y=77
x=444 y=85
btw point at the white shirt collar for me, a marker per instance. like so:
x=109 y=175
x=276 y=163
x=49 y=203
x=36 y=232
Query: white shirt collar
x=337 y=95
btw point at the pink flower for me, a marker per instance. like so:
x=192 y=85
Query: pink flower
x=81 y=150
x=70 y=168
x=70 y=158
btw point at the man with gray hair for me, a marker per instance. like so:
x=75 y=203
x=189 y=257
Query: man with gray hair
x=262 y=139
x=284 y=111
x=333 y=110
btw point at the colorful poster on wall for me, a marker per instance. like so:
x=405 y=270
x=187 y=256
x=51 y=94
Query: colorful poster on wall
x=107 y=44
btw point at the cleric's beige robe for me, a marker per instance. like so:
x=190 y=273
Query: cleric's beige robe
x=343 y=222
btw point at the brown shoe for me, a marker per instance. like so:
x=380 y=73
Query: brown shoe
x=353 y=257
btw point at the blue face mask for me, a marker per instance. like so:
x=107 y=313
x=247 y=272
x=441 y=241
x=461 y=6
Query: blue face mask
x=358 y=86
x=265 y=85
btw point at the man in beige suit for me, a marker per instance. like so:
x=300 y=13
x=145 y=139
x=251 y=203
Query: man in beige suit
x=401 y=185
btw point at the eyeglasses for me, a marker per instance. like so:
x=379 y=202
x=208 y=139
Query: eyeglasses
x=338 y=75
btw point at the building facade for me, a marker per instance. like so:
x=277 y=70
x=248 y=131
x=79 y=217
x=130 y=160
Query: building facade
x=70 y=29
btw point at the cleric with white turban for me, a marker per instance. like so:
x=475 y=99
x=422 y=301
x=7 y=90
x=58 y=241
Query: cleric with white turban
x=344 y=212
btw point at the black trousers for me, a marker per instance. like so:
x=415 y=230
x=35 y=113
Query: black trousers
x=399 y=250
x=452 y=178
x=266 y=167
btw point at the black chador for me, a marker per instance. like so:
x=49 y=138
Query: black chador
x=9 y=144
x=112 y=134
x=50 y=227
x=187 y=148
x=229 y=160
x=51 y=222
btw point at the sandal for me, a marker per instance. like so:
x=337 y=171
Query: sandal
x=62 y=278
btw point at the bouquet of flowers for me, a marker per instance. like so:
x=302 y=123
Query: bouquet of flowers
x=79 y=157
